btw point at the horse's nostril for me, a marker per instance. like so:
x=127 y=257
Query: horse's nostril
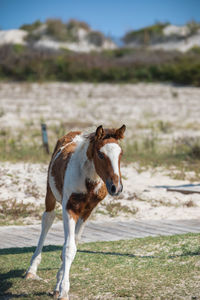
x=113 y=189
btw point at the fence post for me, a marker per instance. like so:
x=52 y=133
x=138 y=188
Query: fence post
x=45 y=138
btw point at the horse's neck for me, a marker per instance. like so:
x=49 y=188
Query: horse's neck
x=86 y=165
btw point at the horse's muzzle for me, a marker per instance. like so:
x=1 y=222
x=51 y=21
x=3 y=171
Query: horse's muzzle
x=113 y=190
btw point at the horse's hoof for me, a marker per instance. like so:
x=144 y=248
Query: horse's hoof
x=55 y=294
x=32 y=276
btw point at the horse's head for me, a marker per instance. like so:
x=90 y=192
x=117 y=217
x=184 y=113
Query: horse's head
x=106 y=154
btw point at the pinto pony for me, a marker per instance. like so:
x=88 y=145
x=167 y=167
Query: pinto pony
x=83 y=169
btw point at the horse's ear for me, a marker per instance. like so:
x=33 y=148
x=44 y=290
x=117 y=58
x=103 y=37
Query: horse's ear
x=99 y=133
x=120 y=132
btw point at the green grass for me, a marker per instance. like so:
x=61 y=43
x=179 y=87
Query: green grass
x=149 y=268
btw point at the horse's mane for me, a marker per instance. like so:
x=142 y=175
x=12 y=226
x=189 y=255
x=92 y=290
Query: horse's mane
x=108 y=133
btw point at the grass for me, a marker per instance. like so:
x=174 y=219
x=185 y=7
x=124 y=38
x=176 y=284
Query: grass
x=149 y=268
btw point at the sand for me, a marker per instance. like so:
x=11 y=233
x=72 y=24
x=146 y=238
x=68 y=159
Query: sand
x=85 y=105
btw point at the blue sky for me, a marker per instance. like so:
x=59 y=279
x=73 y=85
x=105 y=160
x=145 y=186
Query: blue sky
x=113 y=17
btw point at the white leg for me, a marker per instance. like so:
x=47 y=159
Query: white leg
x=78 y=230
x=68 y=253
x=47 y=220
x=58 y=280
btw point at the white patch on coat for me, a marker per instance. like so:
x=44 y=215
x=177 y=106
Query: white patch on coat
x=79 y=169
x=112 y=151
x=52 y=184
x=98 y=186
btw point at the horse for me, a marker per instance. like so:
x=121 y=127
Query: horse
x=84 y=168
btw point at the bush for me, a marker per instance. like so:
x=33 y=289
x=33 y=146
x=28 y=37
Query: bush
x=96 y=38
x=31 y=27
x=121 y=65
x=147 y=35
x=59 y=31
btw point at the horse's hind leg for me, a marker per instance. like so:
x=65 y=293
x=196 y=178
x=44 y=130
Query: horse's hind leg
x=79 y=229
x=47 y=221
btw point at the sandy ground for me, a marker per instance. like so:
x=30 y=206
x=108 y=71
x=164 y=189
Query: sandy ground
x=144 y=195
x=83 y=105
x=89 y=105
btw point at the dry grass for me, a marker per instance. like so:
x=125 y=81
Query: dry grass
x=16 y=213
x=114 y=209
x=19 y=213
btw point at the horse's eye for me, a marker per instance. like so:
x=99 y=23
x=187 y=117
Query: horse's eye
x=100 y=155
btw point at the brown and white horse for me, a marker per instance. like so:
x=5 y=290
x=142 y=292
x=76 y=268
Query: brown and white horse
x=83 y=169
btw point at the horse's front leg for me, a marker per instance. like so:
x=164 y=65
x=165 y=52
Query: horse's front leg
x=68 y=253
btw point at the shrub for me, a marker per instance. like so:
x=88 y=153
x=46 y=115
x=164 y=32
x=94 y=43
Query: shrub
x=59 y=30
x=31 y=27
x=146 y=35
x=77 y=24
x=121 y=65
x=96 y=38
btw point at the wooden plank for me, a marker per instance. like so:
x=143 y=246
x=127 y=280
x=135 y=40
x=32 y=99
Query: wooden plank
x=185 y=189
x=117 y=231
x=22 y=236
x=148 y=228
x=181 y=227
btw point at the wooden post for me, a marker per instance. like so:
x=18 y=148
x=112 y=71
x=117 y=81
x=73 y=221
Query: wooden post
x=45 y=138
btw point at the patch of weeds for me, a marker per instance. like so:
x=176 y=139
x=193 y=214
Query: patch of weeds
x=186 y=249
x=101 y=212
x=190 y=203
x=178 y=175
x=183 y=154
x=21 y=147
x=2 y=112
x=13 y=212
x=164 y=127
x=116 y=208
x=174 y=94
x=31 y=190
x=82 y=103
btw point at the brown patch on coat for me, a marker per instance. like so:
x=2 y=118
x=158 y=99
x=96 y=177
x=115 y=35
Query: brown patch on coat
x=60 y=165
x=81 y=205
x=65 y=140
x=50 y=200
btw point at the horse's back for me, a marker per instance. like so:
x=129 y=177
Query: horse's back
x=63 y=141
